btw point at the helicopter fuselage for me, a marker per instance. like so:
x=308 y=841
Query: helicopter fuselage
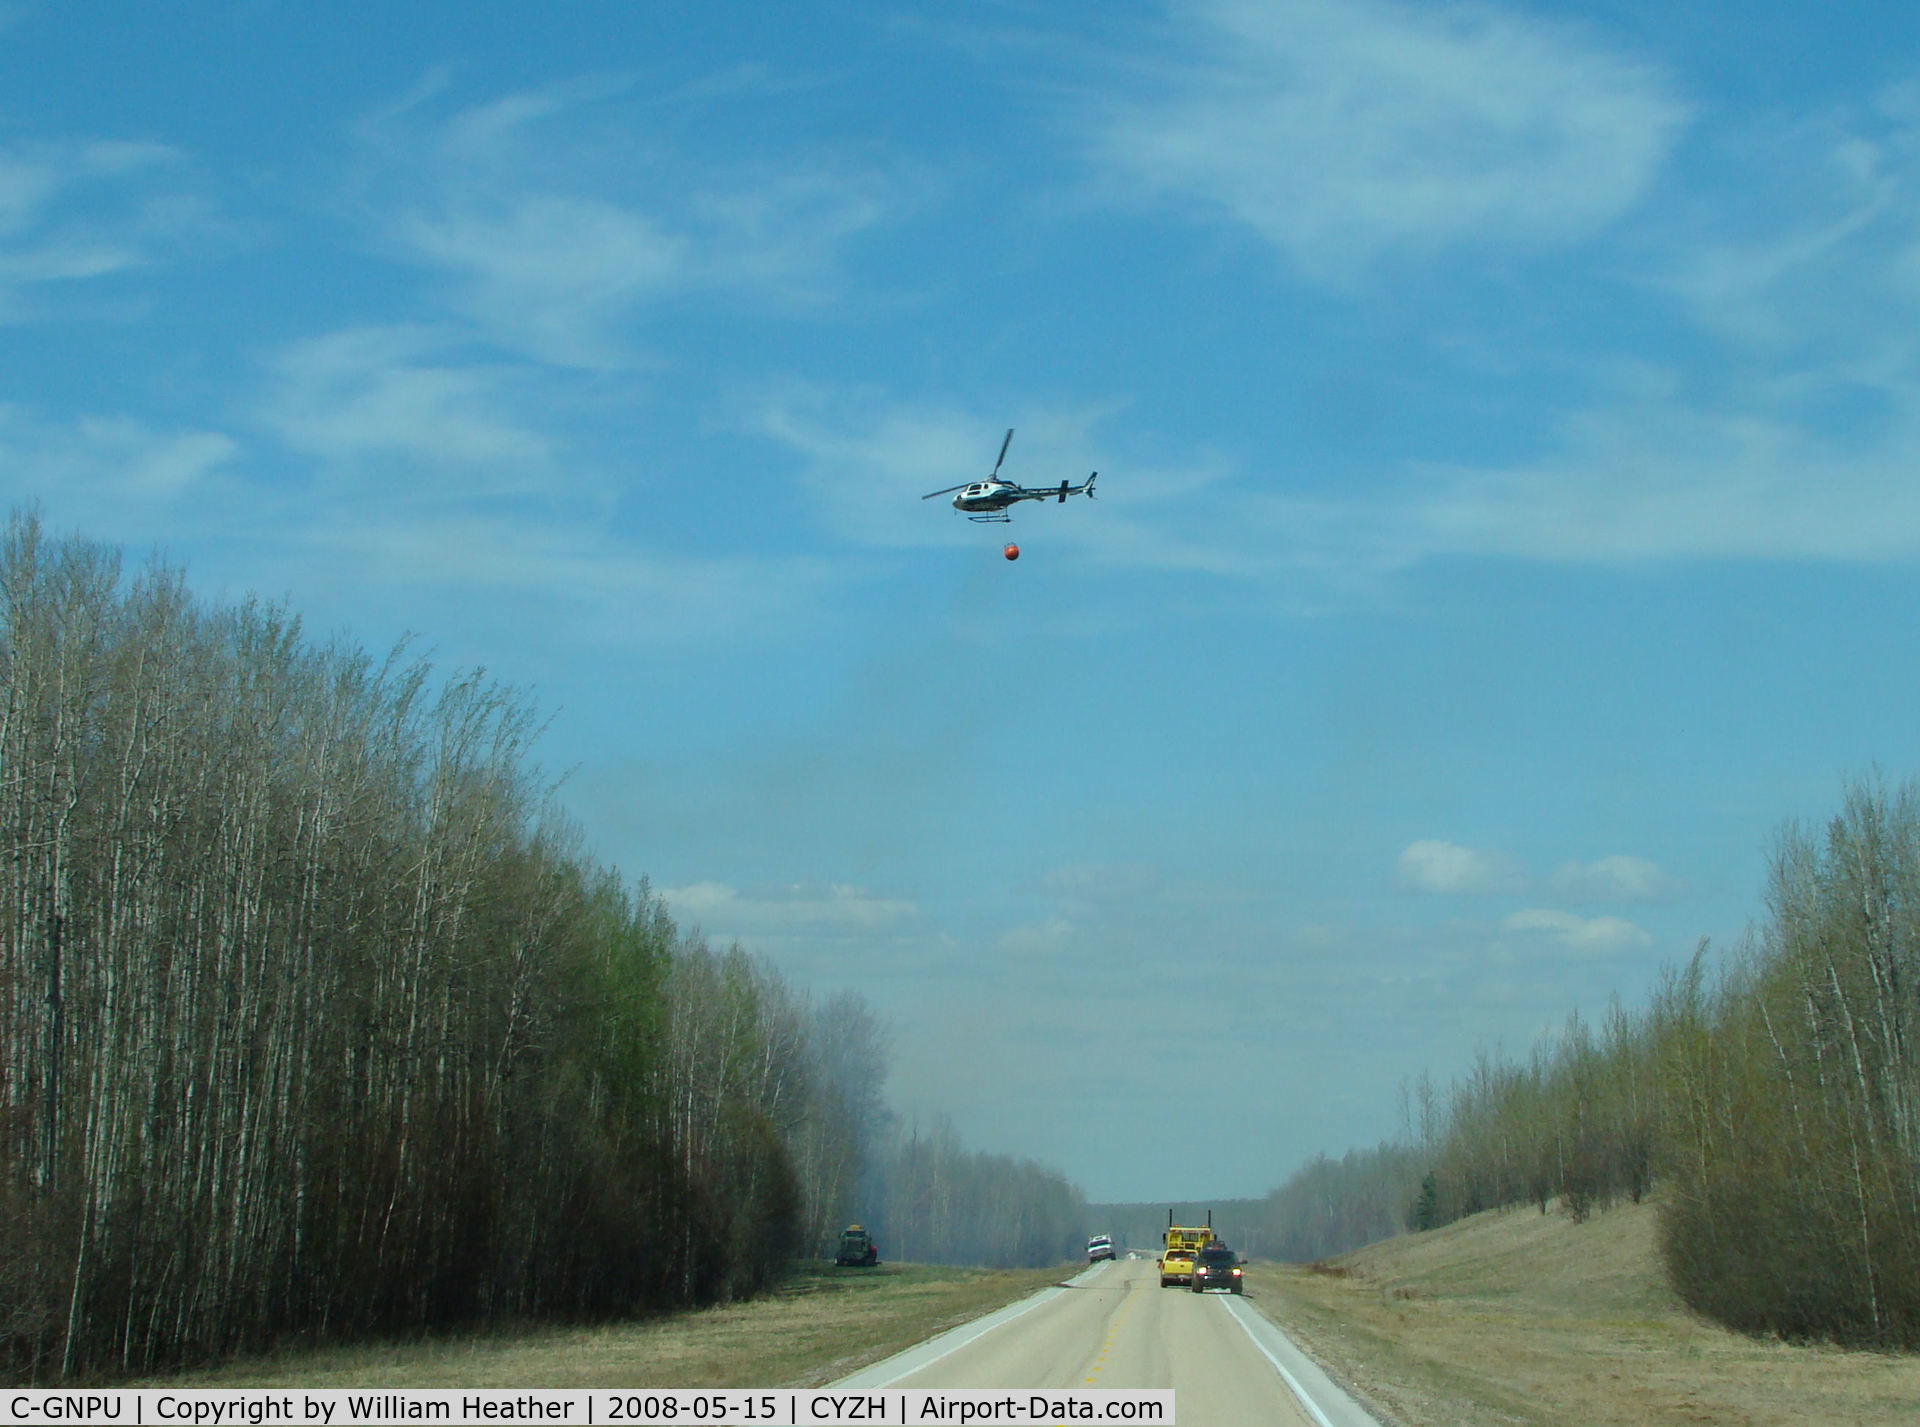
x=992 y=495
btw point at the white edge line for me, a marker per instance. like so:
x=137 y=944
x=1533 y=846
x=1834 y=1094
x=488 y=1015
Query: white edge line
x=1045 y=1295
x=1292 y=1381
x=982 y=1326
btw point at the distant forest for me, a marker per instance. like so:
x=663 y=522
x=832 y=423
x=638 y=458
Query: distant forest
x=1325 y=1208
x=1769 y=1101
x=315 y=1018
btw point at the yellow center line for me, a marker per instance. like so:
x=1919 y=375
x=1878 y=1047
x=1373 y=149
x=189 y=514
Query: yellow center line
x=1112 y=1329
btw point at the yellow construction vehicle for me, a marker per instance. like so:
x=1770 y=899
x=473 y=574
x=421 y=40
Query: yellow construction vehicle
x=1181 y=1243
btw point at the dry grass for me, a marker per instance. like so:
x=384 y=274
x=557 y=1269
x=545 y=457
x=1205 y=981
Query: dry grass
x=1517 y=1317
x=822 y=1325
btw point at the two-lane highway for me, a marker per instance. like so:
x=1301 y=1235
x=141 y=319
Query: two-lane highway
x=1116 y=1327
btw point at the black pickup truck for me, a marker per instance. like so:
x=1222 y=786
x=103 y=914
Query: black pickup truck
x=1216 y=1267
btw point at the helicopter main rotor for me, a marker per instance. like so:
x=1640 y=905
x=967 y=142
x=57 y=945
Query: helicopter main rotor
x=993 y=476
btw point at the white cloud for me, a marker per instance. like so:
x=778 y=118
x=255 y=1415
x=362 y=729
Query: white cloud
x=546 y=272
x=26 y=186
x=1052 y=940
x=559 y=220
x=573 y=566
x=118 y=477
x=1652 y=479
x=1089 y=885
x=419 y=480
x=400 y=391
x=1586 y=934
x=1658 y=480
x=1448 y=868
x=782 y=232
x=74 y=211
x=1615 y=879
x=1803 y=447
x=1341 y=130
x=723 y=912
x=508 y=577
x=433 y=470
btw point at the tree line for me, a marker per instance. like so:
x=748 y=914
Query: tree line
x=1326 y=1207
x=935 y=1201
x=1330 y=1206
x=1141 y=1227
x=1772 y=1097
x=315 y=1019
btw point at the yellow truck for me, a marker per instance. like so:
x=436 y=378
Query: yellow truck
x=1181 y=1244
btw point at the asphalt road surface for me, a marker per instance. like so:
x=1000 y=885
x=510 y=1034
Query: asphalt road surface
x=1114 y=1326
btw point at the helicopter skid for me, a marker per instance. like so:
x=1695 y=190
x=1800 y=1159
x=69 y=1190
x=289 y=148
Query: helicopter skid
x=992 y=517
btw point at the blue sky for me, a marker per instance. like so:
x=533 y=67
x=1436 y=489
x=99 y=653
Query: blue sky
x=1506 y=417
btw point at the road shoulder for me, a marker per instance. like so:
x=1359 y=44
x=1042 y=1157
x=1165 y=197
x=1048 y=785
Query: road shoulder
x=924 y=1354
x=1324 y=1399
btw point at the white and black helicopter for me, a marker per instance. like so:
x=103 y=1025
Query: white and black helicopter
x=988 y=500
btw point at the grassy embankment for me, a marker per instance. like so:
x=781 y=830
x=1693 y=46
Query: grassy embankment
x=820 y=1325
x=1516 y=1317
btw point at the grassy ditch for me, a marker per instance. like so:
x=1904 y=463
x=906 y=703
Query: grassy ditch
x=822 y=1324
x=1518 y=1317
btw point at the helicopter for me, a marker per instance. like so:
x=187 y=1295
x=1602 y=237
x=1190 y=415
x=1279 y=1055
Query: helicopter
x=985 y=501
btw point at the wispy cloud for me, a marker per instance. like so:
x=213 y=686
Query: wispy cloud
x=562 y=579
x=1663 y=481
x=1595 y=935
x=1800 y=263
x=118 y=477
x=79 y=210
x=1344 y=130
x=1056 y=939
x=560 y=217
x=787 y=909
x=1615 y=879
x=549 y=274
x=381 y=466
x=1090 y=886
x=1433 y=865
x=363 y=393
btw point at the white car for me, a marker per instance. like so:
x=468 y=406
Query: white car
x=1099 y=1247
